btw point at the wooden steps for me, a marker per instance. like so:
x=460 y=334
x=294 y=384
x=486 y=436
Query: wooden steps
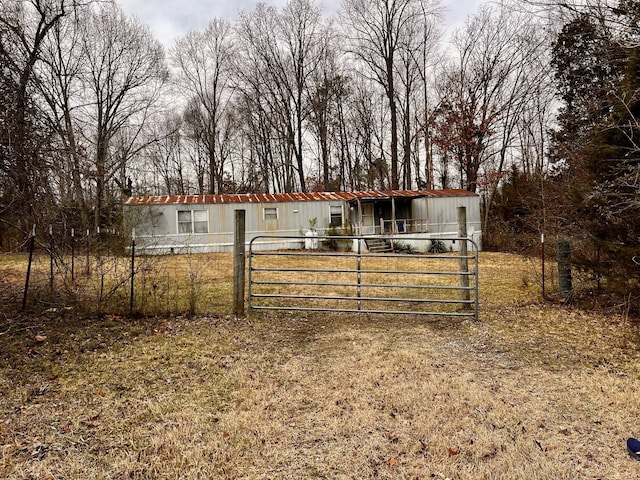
x=378 y=245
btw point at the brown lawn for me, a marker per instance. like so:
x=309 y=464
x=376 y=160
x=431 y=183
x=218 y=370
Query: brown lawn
x=534 y=390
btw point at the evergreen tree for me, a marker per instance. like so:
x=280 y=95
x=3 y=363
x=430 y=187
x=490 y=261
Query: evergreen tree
x=596 y=62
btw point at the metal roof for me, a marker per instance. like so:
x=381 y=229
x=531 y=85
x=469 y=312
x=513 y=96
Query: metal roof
x=292 y=197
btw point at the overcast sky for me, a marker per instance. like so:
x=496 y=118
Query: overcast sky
x=169 y=19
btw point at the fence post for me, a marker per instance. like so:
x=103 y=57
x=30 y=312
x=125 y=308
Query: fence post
x=544 y=294
x=88 y=272
x=239 y=263
x=51 y=247
x=73 y=255
x=26 y=282
x=359 y=263
x=133 y=271
x=464 y=262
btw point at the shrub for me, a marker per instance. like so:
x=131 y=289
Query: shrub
x=437 y=246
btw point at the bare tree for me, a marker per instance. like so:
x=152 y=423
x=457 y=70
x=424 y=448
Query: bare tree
x=535 y=123
x=204 y=61
x=24 y=28
x=376 y=32
x=258 y=132
x=60 y=85
x=367 y=135
x=301 y=33
x=281 y=51
x=500 y=78
x=415 y=59
x=124 y=74
x=166 y=159
x=264 y=98
x=483 y=93
x=329 y=92
x=350 y=171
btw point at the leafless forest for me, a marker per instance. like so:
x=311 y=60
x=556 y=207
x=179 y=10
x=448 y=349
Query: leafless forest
x=532 y=104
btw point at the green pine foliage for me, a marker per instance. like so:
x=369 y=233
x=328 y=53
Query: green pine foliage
x=591 y=193
x=597 y=72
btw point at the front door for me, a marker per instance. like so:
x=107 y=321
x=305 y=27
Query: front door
x=368 y=220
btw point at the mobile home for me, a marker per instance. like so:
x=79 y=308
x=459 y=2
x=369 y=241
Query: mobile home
x=205 y=223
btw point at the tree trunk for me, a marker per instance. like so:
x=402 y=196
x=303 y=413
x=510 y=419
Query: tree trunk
x=394 y=137
x=407 y=182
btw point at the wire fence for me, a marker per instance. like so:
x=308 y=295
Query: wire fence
x=96 y=273
x=101 y=273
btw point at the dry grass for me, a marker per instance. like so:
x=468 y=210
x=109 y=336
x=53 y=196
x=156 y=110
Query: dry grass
x=164 y=285
x=533 y=391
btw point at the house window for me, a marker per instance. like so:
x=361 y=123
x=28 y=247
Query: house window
x=336 y=216
x=193 y=221
x=200 y=221
x=270 y=213
x=184 y=221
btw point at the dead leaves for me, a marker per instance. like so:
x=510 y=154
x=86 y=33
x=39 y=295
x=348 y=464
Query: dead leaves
x=452 y=452
x=91 y=421
x=545 y=448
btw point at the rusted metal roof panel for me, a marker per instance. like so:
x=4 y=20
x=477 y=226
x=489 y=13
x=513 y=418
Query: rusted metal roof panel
x=291 y=197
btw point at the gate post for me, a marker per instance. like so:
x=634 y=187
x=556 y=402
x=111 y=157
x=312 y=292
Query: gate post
x=464 y=262
x=238 y=263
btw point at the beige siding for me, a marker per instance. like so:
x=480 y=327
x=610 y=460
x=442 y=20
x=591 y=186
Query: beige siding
x=157 y=224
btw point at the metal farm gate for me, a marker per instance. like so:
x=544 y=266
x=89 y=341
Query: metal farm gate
x=341 y=274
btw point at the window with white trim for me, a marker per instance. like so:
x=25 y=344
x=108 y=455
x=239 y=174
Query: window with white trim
x=200 y=221
x=193 y=221
x=336 y=216
x=270 y=213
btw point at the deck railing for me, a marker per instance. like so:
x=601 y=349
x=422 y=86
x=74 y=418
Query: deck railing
x=404 y=225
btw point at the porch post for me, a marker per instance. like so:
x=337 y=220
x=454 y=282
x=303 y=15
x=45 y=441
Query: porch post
x=394 y=226
x=359 y=216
